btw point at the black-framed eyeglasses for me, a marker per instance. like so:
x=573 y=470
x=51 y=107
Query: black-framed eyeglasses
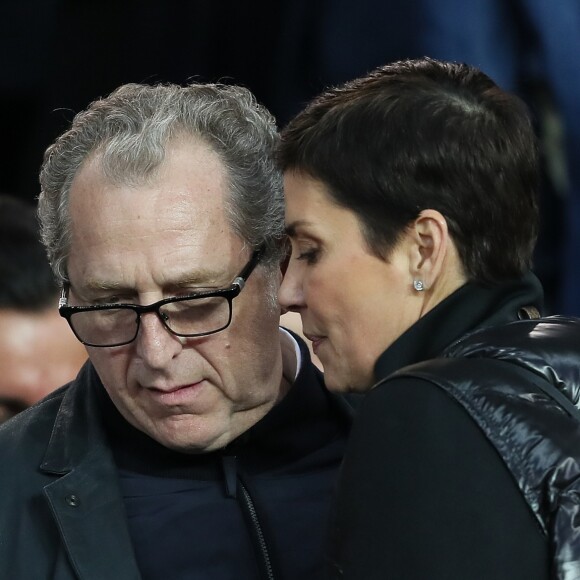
x=195 y=314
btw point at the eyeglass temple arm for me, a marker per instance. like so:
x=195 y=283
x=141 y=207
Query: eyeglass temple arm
x=245 y=273
x=63 y=300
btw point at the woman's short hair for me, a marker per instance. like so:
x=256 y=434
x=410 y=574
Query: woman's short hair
x=423 y=134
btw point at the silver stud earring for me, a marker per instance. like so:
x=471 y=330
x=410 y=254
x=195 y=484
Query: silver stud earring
x=418 y=285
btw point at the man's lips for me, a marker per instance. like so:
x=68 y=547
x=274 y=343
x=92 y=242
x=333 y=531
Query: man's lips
x=176 y=394
x=172 y=389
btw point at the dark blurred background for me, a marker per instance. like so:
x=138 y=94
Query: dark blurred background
x=58 y=55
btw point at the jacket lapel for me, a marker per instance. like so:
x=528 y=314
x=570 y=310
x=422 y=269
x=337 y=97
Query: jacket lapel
x=85 y=499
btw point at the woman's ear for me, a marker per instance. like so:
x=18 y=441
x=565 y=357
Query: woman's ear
x=430 y=247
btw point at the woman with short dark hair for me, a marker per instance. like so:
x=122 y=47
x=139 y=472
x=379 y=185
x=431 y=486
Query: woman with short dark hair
x=411 y=208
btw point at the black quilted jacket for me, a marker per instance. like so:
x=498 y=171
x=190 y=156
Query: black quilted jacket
x=536 y=437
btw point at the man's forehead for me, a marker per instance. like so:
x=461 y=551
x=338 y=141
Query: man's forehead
x=188 y=191
x=111 y=162
x=173 y=229
x=184 y=154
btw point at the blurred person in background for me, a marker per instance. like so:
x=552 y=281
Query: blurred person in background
x=38 y=351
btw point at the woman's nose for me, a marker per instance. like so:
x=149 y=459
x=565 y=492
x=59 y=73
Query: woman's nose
x=290 y=294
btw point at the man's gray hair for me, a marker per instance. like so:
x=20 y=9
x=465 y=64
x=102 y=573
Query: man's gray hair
x=130 y=130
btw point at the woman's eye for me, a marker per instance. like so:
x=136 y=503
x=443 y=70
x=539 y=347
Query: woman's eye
x=310 y=256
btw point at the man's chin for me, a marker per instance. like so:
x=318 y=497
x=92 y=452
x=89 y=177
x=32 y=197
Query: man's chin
x=186 y=433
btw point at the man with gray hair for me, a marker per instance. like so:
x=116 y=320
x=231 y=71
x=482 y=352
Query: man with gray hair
x=198 y=441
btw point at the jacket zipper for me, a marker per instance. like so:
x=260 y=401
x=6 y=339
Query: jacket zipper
x=234 y=483
x=247 y=499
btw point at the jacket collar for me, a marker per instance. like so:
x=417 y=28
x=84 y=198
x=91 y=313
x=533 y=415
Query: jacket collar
x=85 y=499
x=272 y=443
x=77 y=423
x=88 y=423
x=469 y=308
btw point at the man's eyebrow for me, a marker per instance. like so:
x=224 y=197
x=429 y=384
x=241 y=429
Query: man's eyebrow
x=203 y=278
x=100 y=285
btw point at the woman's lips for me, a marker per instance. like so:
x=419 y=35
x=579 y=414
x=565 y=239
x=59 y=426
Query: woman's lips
x=316 y=341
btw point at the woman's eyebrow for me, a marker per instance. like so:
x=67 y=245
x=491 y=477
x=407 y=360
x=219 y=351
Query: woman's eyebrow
x=293 y=227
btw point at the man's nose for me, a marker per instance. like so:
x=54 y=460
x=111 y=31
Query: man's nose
x=156 y=345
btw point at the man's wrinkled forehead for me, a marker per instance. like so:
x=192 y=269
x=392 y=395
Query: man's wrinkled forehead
x=189 y=169
x=171 y=232
x=121 y=162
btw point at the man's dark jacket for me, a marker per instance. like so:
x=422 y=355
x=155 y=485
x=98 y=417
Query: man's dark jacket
x=73 y=505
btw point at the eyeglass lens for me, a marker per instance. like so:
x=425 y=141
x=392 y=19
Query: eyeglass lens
x=114 y=326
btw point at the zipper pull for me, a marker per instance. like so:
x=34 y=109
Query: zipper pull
x=230 y=475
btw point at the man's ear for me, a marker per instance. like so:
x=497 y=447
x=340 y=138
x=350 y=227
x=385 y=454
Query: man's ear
x=429 y=247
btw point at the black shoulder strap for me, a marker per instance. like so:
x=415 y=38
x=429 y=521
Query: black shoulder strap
x=544 y=385
x=456 y=367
